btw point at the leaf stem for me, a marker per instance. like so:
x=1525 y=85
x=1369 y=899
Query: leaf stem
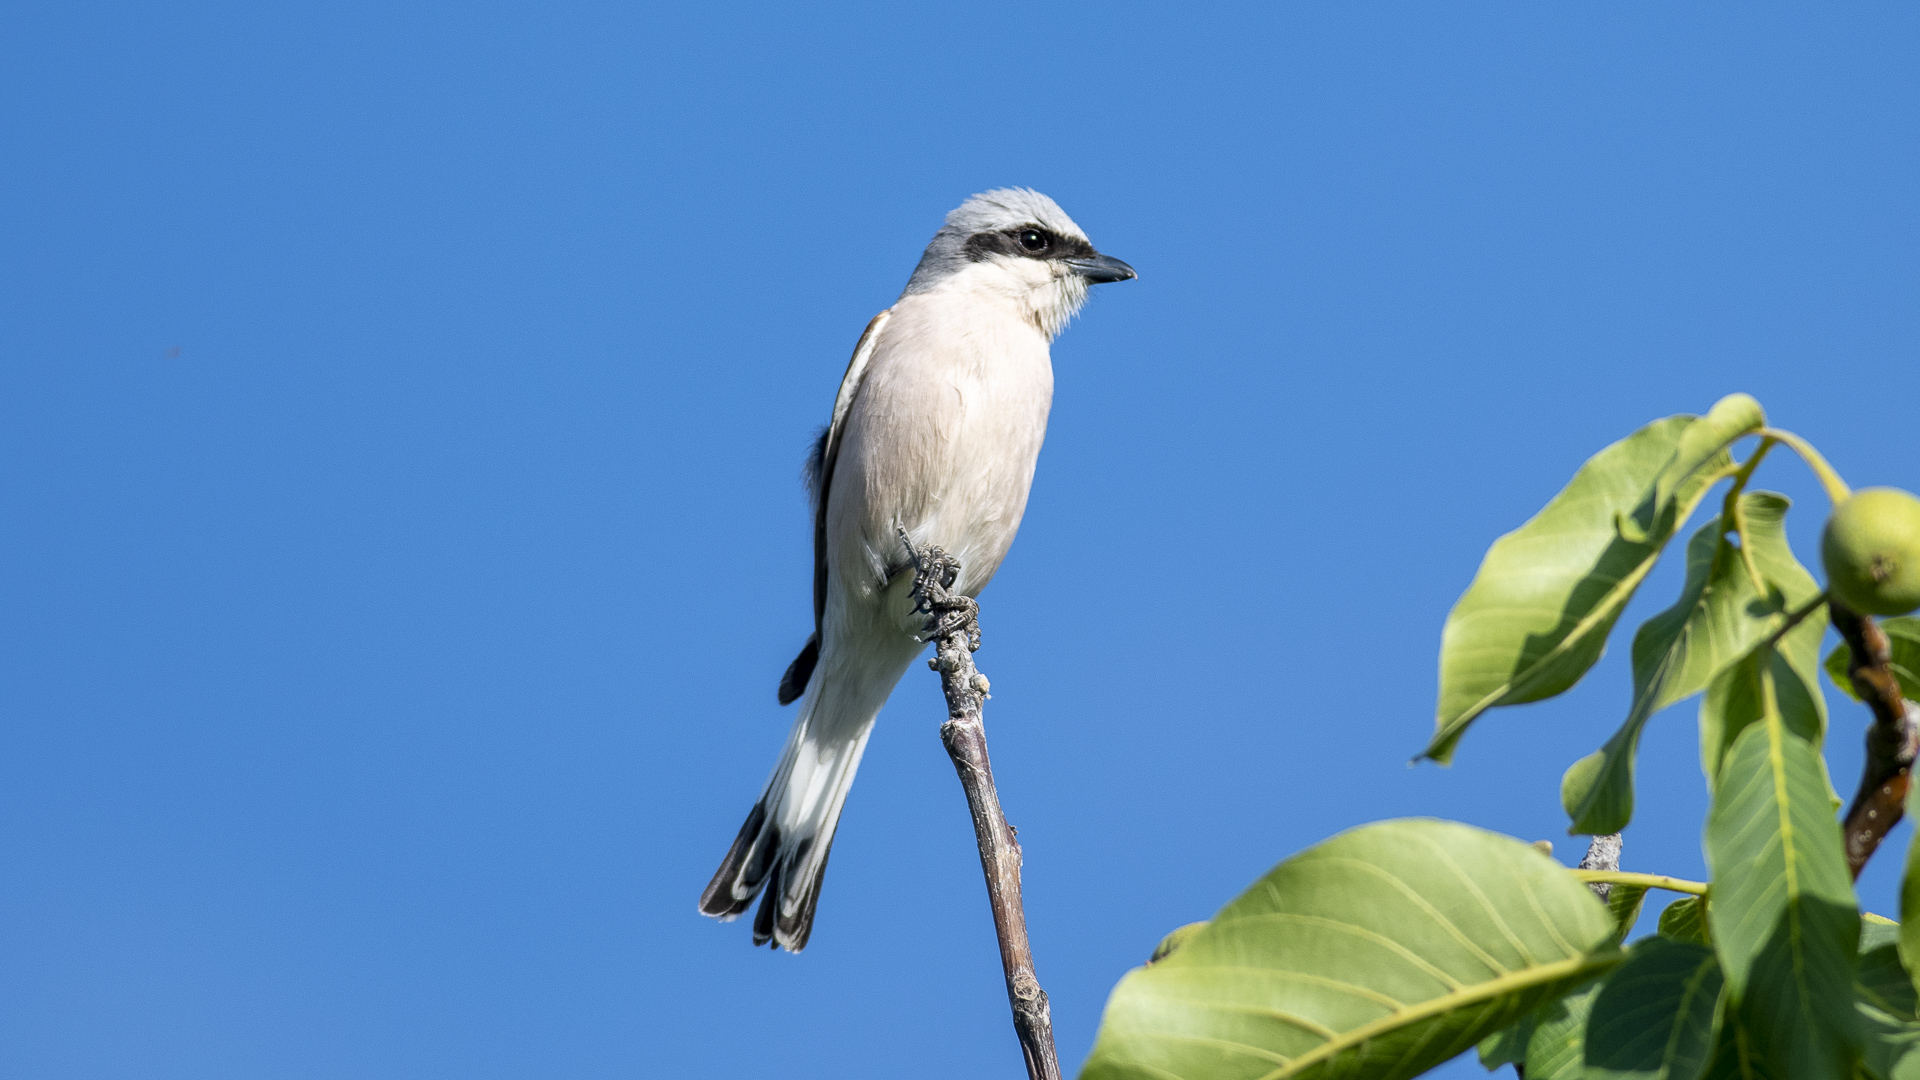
x=1651 y=881
x=1795 y=618
x=1731 y=516
x=1837 y=489
x=1745 y=472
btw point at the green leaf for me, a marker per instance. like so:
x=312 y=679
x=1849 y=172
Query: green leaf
x=1508 y=1046
x=1546 y=1042
x=1734 y=699
x=1877 y=930
x=1558 y=1046
x=1719 y=617
x=1686 y=920
x=1624 y=903
x=1706 y=439
x=1174 y=940
x=1883 y=982
x=1538 y=612
x=1890 y=1043
x=1884 y=995
x=1735 y=1057
x=1377 y=954
x=1783 y=915
x=1903 y=634
x=1653 y=1019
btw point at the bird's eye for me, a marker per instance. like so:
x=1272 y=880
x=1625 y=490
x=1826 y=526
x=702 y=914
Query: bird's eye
x=1033 y=240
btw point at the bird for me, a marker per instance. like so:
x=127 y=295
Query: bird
x=933 y=441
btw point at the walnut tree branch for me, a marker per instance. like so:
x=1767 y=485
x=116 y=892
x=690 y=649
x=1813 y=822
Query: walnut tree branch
x=954 y=630
x=1892 y=740
x=1603 y=853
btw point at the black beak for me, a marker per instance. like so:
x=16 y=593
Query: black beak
x=1099 y=269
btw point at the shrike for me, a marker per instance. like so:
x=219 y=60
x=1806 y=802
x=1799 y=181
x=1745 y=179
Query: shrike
x=935 y=430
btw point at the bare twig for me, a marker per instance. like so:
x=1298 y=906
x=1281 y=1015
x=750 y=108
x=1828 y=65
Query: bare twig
x=1892 y=741
x=954 y=630
x=1602 y=854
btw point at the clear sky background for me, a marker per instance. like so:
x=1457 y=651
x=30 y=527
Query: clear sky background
x=401 y=414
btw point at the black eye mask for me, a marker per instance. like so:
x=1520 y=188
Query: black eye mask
x=1026 y=242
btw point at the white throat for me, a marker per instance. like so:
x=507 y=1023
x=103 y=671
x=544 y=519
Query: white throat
x=1044 y=294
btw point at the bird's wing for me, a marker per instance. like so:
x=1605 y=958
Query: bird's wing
x=843 y=402
x=820 y=479
x=830 y=453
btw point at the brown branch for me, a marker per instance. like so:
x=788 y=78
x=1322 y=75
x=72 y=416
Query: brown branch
x=955 y=633
x=1603 y=853
x=1892 y=740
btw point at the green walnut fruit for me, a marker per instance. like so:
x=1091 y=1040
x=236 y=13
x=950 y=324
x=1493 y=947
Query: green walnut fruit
x=1872 y=552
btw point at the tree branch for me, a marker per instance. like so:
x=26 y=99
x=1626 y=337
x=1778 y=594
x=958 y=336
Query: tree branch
x=1603 y=854
x=1892 y=740
x=955 y=633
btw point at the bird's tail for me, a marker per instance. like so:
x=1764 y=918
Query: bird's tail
x=783 y=846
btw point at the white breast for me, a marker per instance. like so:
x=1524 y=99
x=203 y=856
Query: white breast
x=942 y=438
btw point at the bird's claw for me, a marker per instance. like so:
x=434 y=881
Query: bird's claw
x=954 y=614
x=934 y=572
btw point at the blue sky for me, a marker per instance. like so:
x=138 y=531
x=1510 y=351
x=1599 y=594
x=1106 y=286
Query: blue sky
x=401 y=410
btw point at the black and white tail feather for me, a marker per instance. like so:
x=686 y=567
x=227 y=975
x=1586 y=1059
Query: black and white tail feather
x=781 y=851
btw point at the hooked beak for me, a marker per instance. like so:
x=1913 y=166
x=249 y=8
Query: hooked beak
x=1099 y=269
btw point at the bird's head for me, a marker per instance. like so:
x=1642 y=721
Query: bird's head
x=1019 y=244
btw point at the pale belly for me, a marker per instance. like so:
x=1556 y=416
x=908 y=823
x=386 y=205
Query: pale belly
x=944 y=447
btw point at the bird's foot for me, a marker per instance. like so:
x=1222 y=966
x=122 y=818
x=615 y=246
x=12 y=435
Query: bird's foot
x=952 y=615
x=934 y=572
